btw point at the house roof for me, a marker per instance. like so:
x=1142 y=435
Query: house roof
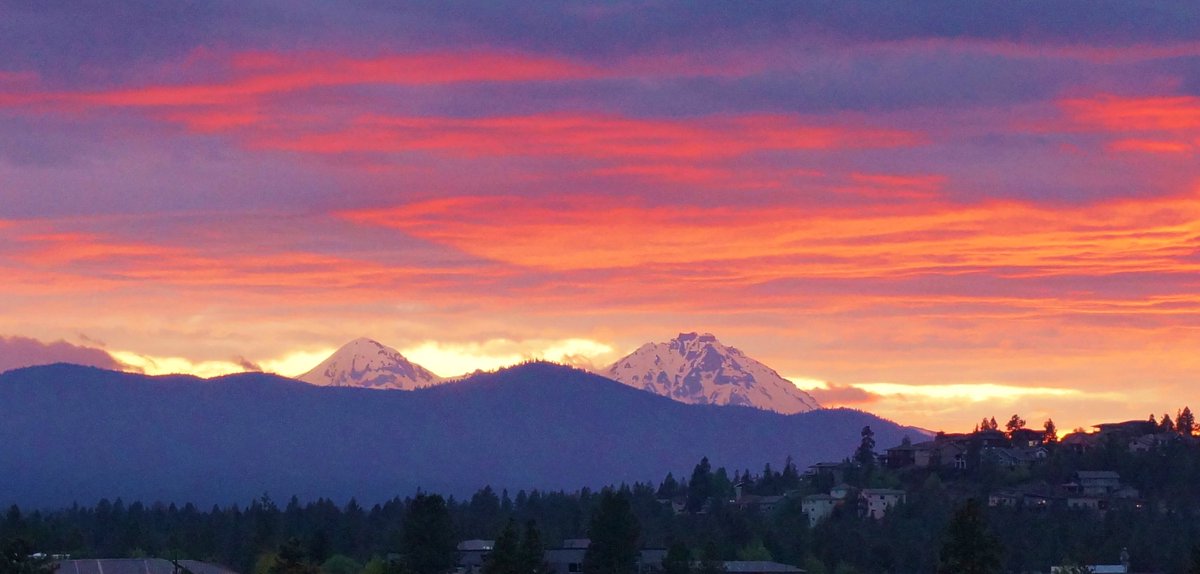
x=750 y=566
x=883 y=492
x=1097 y=475
x=136 y=566
x=818 y=497
x=476 y=545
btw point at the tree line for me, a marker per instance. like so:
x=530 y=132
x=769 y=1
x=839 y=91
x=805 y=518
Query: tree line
x=697 y=520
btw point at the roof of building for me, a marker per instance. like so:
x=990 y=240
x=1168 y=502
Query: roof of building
x=751 y=566
x=476 y=545
x=818 y=498
x=882 y=492
x=828 y=465
x=1097 y=475
x=137 y=566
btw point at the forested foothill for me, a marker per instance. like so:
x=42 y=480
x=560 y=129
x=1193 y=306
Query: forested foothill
x=983 y=514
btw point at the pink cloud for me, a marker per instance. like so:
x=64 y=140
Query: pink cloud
x=17 y=352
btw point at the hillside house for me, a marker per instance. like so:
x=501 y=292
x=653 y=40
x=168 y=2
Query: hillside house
x=759 y=567
x=1097 y=482
x=568 y=558
x=818 y=507
x=1127 y=429
x=136 y=566
x=1004 y=498
x=1016 y=457
x=877 y=501
x=472 y=554
x=834 y=471
x=1026 y=438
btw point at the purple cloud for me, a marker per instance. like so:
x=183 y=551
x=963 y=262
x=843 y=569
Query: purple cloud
x=17 y=352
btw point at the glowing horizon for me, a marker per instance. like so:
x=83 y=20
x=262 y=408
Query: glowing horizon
x=913 y=210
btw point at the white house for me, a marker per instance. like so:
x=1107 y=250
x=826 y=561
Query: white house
x=879 y=500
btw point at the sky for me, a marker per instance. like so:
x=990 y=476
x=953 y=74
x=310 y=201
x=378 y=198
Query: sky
x=934 y=211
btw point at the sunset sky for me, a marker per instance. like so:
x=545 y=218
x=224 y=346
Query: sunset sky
x=933 y=211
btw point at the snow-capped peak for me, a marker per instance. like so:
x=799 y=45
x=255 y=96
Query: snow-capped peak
x=696 y=368
x=368 y=364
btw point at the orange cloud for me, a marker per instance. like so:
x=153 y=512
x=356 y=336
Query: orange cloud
x=119 y=263
x=1150 y=146
x=588 y=136
x=262 y=75
x=1113 y=113
x=605 y=233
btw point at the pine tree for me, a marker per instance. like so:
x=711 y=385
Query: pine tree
x=969 y=547
x=1185 y=422
x=711 y=562
x=429 y=541
x=669 y=487
x=504 y=556
x=292 y=559
x=678 y=560
x=1166 y=425
x=531 y=556
x=1051 y=432
x=614 y=532
x=1014 y=423
x=865 y=455
x=700 y=486
x=18 y=558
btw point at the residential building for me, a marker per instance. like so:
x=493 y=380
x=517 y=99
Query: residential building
x=1097 y=481
x=759 y=567
x=879 y=500
x=472 y=554
x=818 y=507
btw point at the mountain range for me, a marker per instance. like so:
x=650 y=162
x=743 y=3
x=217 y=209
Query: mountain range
x=77 y=434
x=693 y=368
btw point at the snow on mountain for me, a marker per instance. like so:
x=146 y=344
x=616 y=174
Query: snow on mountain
x=367 y=364
x=698 y=369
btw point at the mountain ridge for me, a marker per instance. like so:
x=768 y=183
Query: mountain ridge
x=76 y=434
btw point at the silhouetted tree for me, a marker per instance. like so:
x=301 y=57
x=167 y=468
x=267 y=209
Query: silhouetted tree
x=710 y=561
x=1185 y=422
x=429 y=541
x=865 y=455
x=614 y=532
x=969 y=547
x=1194 y=567
x=18 y=558
x=1051 y=432
x=678 y=560
x=292 y=558
x=1014 y=423
x=1166 y=424
x=531 y=556
x=503 y=559
x=700 y=486
x=669 y=487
